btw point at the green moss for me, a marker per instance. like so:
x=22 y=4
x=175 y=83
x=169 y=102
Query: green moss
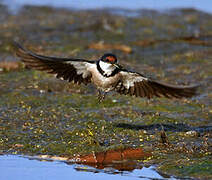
x=199 y=168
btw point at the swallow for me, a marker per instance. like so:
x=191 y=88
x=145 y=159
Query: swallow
x=105 y=73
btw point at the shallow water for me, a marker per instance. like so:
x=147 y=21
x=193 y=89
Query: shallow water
x=17 y=167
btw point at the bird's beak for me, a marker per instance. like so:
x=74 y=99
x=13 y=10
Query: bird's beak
x=116 y=65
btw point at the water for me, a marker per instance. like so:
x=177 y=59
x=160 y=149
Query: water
x=204 y=5
x=20 y=168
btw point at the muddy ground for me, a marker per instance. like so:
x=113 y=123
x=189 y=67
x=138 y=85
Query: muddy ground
x=42 y=115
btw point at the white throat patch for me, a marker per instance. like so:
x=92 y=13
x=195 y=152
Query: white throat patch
x=107 y=68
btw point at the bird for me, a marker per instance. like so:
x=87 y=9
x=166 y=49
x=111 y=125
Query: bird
x=105 y=73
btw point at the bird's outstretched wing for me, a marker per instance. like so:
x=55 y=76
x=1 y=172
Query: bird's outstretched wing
x=135 y=84
x=75 y=70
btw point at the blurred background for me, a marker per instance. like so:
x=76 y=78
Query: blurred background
x=204 y=5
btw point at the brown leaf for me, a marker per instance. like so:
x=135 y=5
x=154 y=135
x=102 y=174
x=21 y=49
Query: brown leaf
x=9 y=66
x=103 y=46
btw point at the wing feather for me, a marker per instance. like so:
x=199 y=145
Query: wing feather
x=136 y=84
x=76 y=70
x=132 y=88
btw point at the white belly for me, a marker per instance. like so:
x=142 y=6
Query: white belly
x=104 y=83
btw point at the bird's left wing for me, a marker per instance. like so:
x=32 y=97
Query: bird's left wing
x=136 y=84
x=76 y=70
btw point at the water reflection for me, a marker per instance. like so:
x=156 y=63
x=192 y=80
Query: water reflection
x=119 y=159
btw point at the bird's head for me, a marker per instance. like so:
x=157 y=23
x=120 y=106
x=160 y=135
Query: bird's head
x=109 y=58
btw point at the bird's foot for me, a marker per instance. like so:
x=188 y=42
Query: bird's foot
x=101 y=96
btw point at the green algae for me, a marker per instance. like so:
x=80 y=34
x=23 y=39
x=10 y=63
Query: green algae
x=185 y=168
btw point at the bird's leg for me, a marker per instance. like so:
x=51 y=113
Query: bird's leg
x=101 y=96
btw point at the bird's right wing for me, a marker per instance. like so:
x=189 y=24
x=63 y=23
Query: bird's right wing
x=76 y=70
x=135 y=84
